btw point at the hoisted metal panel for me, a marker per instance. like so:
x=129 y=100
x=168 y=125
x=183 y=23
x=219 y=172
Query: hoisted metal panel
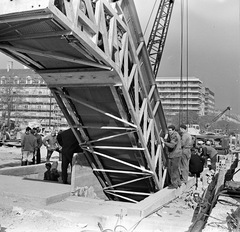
x=89 y=54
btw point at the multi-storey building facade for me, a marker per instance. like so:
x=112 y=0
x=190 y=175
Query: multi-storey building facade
x=209 y=107
x=27 y=98
x=181 y=95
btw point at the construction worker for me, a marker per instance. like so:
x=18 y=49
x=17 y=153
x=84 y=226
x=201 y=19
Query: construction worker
x=186 y=142
x=29 y=146
x=174 y=156
x=70 y=145
x=37 y=157
x=209 y=152
x=50 y=141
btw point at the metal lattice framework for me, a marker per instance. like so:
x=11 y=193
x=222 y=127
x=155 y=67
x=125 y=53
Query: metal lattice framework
x=158 y=34
x=93 y=57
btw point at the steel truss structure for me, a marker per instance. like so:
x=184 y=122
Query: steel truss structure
x=92 y=55
x=158 y=34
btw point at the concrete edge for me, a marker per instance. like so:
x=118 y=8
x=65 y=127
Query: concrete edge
x=23 y=170
x=57 y=198
x=35 y=201
x=159 y=199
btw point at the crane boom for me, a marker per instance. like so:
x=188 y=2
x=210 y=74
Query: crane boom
x=158 y=34
x=217 y=117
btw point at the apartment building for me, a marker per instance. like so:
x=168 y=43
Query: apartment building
x=209 y=107
x=187 y=94
x=25 y=95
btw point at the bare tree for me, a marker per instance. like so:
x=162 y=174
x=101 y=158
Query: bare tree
x=186 y=118
x=10 y=98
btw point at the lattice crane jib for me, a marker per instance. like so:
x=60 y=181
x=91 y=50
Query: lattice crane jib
x=158 y=33
x=92 y=56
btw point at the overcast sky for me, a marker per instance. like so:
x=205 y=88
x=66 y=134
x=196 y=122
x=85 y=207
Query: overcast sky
x=213 y=45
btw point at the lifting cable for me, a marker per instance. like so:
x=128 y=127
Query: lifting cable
x=187 y=119
x=181 y=63
x=150 y=17
x=183 y=101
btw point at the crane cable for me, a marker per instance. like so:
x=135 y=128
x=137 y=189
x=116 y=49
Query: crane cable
x=181 y=106
x=181 y=62
x=187 y=119
x=181 y=58
x=150 y=17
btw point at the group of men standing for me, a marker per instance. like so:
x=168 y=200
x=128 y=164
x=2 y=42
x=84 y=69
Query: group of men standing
x=31 y=143
x=179 y=154
x=184 y=157
x=64 y=142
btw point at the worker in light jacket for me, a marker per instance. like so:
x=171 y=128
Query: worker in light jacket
x=50 y=141
x=174 y=156
x=186 y=142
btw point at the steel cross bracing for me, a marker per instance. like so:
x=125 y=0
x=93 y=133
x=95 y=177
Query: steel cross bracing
x=158 y=34
x=92 y=56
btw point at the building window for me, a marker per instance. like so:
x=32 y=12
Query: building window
x=28 y=80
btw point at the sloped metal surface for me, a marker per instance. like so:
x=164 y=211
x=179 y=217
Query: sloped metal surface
x=117 y=164
x=93 y=58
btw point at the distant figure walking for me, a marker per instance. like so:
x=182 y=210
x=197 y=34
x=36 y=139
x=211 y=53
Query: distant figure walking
x=29 y=145
x=70 y=145
x=50 y=141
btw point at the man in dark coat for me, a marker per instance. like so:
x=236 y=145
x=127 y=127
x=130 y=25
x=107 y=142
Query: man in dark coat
x=196 y=164
x=70 y=145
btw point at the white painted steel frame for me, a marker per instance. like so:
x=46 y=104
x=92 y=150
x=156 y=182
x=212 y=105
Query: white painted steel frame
x=121 y=50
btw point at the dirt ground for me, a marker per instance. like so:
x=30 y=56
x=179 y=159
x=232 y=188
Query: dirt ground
x=11 y=156
x=21 y=217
